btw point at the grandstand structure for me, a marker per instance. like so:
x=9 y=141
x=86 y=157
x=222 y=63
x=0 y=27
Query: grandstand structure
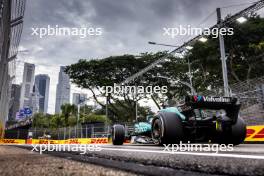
x=11 y=25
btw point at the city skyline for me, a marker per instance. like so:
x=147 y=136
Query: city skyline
x=63 y=90
x=138 y=26
x=77 y=98
x=42 y=82
x=52 y=89
x=15 y=101
x=27 y=85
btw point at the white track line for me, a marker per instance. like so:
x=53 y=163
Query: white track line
x=189 y=153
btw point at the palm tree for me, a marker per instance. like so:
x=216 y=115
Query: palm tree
x=67 y=110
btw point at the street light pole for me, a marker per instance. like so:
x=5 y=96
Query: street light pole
x=189 y=66
x=223 y=56
x=190 y=76
x=78 y=117
x=136 y=106
x=162 y=44
x=106 y=106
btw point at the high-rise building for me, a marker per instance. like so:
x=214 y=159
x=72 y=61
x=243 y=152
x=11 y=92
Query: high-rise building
x=63 y=90
x=34 y=101
x=14 y=102
x=78 y=97
x=42 y=83
x=27 y=86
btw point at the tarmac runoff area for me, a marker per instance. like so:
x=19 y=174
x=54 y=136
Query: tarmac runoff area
x=245 y=159
x=16 y=161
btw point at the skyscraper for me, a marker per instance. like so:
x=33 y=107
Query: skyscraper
x=27 y=85
x=63 y=90
x=42 y=83
x=14 y=102
x=77 y=97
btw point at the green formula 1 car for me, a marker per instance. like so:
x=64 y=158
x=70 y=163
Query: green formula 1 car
x=198 y=119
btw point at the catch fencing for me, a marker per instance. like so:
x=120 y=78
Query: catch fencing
x=251 y=96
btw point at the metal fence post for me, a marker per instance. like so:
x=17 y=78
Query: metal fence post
x=18 y=134
x=92 y=132
x=76 y=132
x=86 y=131
x=64 y=133
x=81 y=132
x=108 y=131
x=69 y=132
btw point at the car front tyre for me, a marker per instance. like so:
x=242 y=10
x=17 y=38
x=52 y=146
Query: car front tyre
x=118 y=134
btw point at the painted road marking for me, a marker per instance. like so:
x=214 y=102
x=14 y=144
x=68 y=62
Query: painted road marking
x=189 y=153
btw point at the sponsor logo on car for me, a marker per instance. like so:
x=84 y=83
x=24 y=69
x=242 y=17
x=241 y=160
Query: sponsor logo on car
x=211 y=99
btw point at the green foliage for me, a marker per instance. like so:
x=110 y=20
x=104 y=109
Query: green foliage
x=68 y=110
x=94 y=118
x=244 y=50
x=68 y=117
x=245 y=60
x=41 y=120
x=57 y=121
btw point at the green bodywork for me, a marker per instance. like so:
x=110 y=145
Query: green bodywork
x=145 y=127
x=174 y=110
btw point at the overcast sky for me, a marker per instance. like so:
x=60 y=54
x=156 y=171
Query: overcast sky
x=127 y=27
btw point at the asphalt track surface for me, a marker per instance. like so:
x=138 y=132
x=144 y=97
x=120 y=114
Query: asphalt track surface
x=15 y=161
x=245 y=159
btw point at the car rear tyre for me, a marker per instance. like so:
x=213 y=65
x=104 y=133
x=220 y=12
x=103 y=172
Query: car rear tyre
x=239 y=132
x=167 y=128
x=235 y=135
x=118 y=134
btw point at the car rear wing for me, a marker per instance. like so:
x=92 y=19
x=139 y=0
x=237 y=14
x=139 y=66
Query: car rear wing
x=229 y=104
x=210 y=102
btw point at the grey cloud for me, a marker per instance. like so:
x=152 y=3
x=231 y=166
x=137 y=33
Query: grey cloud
x=130 y=22
x=127 y=24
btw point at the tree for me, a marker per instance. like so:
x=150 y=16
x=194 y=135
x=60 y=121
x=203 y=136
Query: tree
x=40 y=120
x=57 y=121
x=245 y=53
x=68 y=110
x=245 y=61
x=94 y=74
x=90 y=118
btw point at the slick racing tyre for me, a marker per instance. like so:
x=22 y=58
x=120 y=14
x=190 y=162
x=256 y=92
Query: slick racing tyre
x=239 y=132
x=235 y=135
x=118 y=134
x=167 y=128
